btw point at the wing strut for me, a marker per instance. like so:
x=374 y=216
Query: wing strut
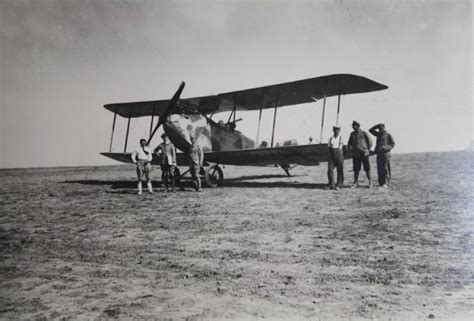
x=338 y=107
x=232 y=113
x=259 y=120
x=113 y=129
x=274 y=117
x=322 y=120
x=128 y=129
x=152 y=118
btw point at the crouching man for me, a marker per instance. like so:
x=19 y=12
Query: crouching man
x=141 y=157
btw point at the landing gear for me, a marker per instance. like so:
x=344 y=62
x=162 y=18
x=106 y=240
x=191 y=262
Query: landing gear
x=213 y=176
x=286 y=168
x=177 y=175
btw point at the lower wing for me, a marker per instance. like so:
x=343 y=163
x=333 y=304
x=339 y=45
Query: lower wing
x=300 y=154
x=181 y=158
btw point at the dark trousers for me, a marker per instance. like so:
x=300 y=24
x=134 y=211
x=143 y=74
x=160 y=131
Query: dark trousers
x=336 y=160
x=167 y=175
x=383 y=168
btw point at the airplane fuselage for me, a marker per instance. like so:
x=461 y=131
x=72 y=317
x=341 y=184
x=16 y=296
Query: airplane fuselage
x=211 y=136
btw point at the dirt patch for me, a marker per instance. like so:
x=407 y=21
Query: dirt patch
x=79 y=243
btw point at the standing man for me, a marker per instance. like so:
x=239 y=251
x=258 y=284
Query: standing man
x=142 y=158
x=360 y=144
x=383 y=146
x=336 y=159
x=167 y=153
x=196 y=159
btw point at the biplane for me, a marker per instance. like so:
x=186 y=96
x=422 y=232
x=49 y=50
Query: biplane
x=221 y=143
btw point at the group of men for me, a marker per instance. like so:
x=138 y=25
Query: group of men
x=166 y=152
x=360 y=144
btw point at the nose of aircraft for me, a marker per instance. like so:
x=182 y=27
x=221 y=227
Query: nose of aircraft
x=177 y=136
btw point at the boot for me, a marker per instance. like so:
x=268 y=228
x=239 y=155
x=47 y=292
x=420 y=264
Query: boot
x=150 y=188
x=139 y=188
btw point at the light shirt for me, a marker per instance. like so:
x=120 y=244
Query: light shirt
x=139 y=154
x=335 y=142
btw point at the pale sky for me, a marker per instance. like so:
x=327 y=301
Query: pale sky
x=62 y=60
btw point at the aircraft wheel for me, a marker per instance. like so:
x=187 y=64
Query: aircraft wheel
x=214 y=176
x=177 y=174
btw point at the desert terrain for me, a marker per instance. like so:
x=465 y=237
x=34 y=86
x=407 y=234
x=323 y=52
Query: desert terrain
x=78 y=243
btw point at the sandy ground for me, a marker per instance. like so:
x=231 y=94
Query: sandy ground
x=78 y=243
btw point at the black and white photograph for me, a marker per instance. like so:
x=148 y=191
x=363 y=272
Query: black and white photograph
x=236 y=160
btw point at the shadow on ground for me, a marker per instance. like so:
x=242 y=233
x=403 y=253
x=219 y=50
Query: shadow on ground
x=238 y=182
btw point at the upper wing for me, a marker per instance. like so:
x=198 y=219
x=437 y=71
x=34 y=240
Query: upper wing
x=297 y=92
x=285 y=94
x=204 y=105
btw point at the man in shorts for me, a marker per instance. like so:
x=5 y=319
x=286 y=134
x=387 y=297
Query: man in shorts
x=142 y=157
x=360 y=144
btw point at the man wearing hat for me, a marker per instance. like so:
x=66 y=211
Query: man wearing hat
x=167 y=153
x=142 y=158
x=383 y=146
x=360 y=144
x=336 y=159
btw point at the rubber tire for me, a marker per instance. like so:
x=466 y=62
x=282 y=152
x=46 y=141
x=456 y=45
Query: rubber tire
x=212 y=181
